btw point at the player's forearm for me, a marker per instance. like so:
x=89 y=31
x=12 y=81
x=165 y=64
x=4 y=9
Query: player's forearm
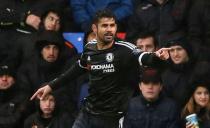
x=72 y=73
x=149 y=59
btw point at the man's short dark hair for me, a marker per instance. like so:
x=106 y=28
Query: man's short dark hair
x=57 y=11
x=146 y=34
x=105 y=13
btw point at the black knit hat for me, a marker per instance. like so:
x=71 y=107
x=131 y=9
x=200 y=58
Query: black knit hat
x=7 y=70
x=150 y=75
x=178 y=39
x=49 y=37
x=200 y=82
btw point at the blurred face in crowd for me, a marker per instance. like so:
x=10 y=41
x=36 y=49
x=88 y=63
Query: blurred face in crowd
x=91 y=36
x=50 y=53
x=150 y=90
x=6 y=81
x=146 y=44
x=201 y=96
x=105 y=30
x=52 y=22
x=47 y=105
x=178 y=54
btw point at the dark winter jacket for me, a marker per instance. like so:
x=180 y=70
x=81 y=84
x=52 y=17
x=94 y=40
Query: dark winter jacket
x=15 y=11
x=159 y=19
x=12 y=16
x=59 y=119
x=176 y=80
x=161 y=113
x=199 y=28
x=37 y=72
x=11 y=107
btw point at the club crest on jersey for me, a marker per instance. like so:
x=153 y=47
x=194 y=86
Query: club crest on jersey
x=109 y=57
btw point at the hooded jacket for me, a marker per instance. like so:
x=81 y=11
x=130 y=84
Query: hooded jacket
x=37 y=71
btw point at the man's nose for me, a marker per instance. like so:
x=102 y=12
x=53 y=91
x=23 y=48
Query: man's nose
x=4 y=77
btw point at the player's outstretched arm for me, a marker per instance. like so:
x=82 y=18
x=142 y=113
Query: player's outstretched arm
x=153 y=58
x=42 y=92
x=72 y=73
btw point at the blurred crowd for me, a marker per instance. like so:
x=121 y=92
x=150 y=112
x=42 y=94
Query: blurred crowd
x=33 y=52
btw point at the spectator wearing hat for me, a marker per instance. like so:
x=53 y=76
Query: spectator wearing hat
x=11 y=99
x=146 y=109
x=177 y=74
x=48 y=114
x=48 y=62
x=51 y=20
x=198 y=103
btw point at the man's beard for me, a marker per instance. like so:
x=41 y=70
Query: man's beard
x=108 y=40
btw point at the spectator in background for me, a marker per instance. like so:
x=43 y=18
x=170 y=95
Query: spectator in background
x=24 y=46
x=198 y=103
x=11 y=99
x=49 y=115
x=17 y=13
x=48 y=62
x=28 y=13
x=177 y=75
x=88 y=37
x=146 y=42
x=14 y=13
x=160 y=16
x=84 y=11
x=199 y=29
x=145 y=110
x=21 y=18
x=51 y=20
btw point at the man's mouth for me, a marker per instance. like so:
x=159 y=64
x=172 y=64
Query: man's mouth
x=108 y=36
x=51 y=57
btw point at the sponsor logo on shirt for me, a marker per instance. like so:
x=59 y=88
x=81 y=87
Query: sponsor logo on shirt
x=105 y=67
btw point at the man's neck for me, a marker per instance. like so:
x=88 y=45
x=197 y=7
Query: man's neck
x=102 y=46
x=160 y=1
x=47 y=116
